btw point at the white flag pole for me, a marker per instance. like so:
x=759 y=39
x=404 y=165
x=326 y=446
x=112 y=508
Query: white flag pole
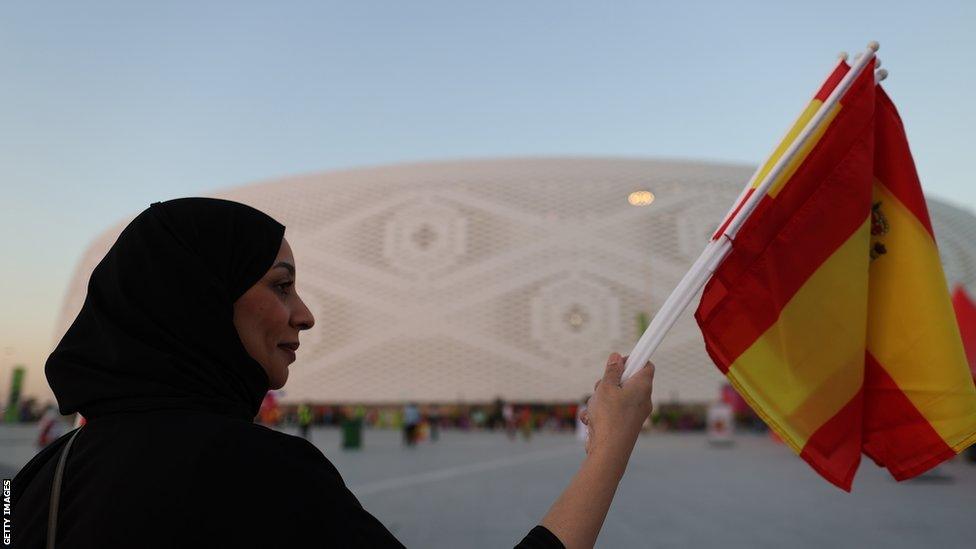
x=842 y=57
x=716 y=249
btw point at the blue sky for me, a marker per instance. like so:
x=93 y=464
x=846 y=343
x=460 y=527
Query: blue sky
x=108 y=106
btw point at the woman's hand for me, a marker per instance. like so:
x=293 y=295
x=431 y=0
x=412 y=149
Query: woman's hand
x=613 y=420
x=615 y=412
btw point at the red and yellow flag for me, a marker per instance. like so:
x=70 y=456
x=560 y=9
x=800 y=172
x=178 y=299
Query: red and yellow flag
x=831 y=315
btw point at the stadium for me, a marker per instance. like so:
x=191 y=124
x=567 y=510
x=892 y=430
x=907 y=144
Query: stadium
x=513 y=278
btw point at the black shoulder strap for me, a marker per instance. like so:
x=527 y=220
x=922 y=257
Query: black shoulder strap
x=52 y=517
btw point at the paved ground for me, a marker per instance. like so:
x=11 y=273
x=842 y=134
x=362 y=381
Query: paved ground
x=482 y=490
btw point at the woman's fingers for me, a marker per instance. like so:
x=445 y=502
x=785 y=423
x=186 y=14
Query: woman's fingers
x=642 y=382
x=615 y=369
x=646 y=372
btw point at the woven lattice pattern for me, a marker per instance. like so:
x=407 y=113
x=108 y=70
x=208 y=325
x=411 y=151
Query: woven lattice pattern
x=470 y=280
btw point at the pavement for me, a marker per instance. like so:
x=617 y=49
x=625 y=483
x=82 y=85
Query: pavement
x=482 y=490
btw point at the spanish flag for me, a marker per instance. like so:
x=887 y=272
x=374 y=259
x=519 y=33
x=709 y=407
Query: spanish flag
x=831 y=315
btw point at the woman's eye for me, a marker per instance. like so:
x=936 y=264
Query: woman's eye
x=284 y=286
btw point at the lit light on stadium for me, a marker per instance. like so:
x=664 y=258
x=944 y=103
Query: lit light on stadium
x=640 y=198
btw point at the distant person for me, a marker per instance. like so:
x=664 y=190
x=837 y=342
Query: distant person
x=525 y=422
x=434 y=418
x=508 y=416
x=304 y=419
x=581 y=430
x=479 y=418
x=411 y=421
x=190 y=318
x=50 y=427
x=497 y=416
x=26 y=411
x=269 y=413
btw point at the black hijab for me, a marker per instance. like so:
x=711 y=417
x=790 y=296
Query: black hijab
x=156 y=329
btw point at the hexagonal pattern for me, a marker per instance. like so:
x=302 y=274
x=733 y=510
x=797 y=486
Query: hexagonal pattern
x=469 y=280
x=571 y=317
x=424 y=237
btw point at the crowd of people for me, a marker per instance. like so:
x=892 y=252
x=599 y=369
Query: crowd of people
x=417 y=417
x=424 y=421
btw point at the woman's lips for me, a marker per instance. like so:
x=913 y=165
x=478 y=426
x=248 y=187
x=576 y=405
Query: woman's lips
x=288 y=351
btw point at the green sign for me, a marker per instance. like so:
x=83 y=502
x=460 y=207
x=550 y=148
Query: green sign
x=642 y=323
x=13 y=401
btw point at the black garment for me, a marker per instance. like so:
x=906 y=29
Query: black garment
x=170 y=456
x=168 y=479
x=540 y=538
x=189 y=479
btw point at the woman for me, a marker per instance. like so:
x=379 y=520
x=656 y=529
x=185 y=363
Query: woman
x=190 y=318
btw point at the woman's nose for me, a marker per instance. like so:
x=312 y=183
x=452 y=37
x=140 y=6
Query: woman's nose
x=305 y=320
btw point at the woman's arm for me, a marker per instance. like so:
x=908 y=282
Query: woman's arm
x=613 y=417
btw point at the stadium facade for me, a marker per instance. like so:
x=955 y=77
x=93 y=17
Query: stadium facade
x=465 y=281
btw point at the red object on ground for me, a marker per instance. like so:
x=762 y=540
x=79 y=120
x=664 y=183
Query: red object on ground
x=966 y=317
x=735 y=400
x=269 y=413
x=45 y=435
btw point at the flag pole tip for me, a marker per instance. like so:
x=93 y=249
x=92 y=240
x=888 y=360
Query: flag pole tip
x=877 y=63
x=880 y=75
x=842 y=55
x=874 y=45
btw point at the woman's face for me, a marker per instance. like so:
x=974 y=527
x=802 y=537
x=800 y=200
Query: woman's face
x=269 y=316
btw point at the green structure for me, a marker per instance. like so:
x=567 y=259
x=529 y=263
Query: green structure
x=304 y=414
x=352 y=433
x=643 y=321
x=13 y=400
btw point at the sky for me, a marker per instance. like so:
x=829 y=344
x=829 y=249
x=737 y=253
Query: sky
x=106 y=107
